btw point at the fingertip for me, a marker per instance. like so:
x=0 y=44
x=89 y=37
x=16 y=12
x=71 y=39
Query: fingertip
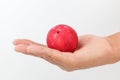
x=16 y=41
x=21 y=48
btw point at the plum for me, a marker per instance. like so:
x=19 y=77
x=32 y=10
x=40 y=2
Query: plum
x=63 y=38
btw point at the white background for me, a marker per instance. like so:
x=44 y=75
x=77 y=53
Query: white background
x=32 y=19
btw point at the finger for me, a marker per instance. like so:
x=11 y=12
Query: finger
x=22 y=41
x=25 y=42
x=24 y=46
x=48 y=53
x=25 y=49
x=21 y=48
x=53 y=56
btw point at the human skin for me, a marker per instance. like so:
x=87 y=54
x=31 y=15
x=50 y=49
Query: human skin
x=92 y=51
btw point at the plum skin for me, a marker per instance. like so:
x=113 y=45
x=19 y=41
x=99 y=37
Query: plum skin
x=63 y=38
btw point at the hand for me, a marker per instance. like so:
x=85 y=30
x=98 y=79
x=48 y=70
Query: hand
x=92 y=51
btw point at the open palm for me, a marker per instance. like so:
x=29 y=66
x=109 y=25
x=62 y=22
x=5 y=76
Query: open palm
x=92 y=51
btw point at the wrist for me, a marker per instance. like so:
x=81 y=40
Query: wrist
x=114 y=41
